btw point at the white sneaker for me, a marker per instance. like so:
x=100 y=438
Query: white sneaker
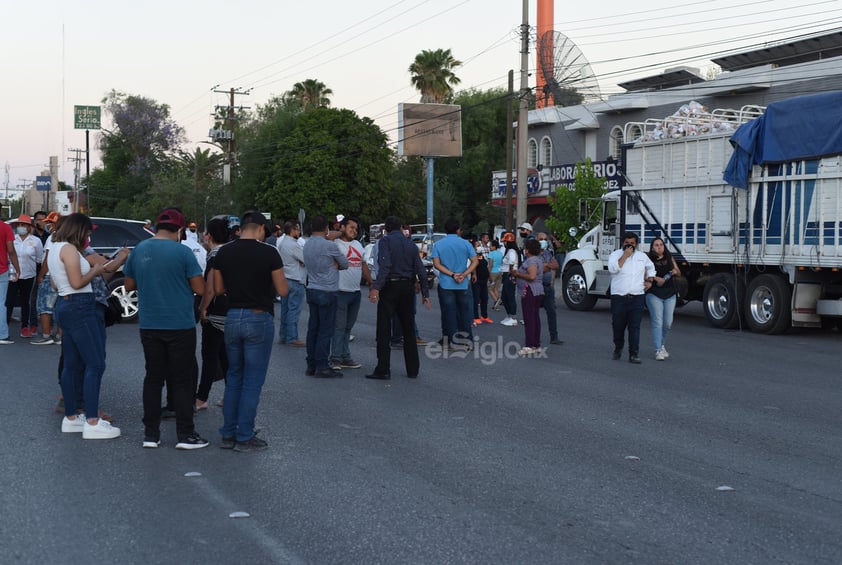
x=73 y=426
x=664 y=351
x=100 y=430
x=510 y=322
x=659 y=355
x=525 y=351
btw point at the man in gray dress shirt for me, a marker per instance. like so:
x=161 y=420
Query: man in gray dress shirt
x=323 y=261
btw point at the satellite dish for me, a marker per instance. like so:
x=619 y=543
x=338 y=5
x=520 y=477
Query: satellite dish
x=570 y=80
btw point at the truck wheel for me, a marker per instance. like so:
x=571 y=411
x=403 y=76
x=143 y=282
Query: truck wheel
x=575 y=289
x=769 y=304
x=720 y=301
x=128 y=300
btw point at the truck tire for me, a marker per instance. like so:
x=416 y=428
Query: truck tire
x=721 y=299
x=575 y=289
x=768 y=304
x=128 y=300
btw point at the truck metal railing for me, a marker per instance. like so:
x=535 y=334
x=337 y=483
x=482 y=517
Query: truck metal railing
x=690 y=123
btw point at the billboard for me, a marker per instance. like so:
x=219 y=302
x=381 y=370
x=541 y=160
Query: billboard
x=43 y=184
x=430 y=130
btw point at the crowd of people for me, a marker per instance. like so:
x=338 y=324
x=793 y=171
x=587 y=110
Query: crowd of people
x=228 y=284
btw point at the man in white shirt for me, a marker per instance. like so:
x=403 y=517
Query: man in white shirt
x=632 y=273
x=292 y=255
x=349 y=297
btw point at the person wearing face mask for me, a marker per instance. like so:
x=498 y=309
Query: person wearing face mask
x=30 y=253
x=632 y=273
x=548 y=279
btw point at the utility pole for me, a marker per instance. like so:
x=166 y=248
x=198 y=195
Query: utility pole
x=228 y=133
x=509 y=121
x=76 y=172
x=523 y=117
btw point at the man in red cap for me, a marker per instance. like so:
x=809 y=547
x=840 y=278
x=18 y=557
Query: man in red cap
x=166 y=275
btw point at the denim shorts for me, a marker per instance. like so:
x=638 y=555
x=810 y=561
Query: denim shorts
x=47 y=295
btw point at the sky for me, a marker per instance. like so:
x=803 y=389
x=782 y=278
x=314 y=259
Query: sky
x=57 y=54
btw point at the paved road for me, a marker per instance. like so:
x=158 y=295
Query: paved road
x=570 y=459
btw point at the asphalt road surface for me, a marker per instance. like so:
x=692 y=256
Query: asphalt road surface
x=730 y=451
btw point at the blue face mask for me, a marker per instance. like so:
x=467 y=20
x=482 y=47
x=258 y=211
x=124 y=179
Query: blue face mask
x=544 y=243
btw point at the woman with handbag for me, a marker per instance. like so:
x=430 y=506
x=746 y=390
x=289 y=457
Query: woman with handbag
x=661 y=295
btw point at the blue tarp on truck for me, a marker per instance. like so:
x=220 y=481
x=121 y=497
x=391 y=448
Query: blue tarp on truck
x=806 y=127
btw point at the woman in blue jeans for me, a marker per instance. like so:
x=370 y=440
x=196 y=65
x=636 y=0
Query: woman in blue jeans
x=83 y=339
x=660 y=299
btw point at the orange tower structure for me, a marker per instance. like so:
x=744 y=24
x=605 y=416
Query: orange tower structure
x=545 y=28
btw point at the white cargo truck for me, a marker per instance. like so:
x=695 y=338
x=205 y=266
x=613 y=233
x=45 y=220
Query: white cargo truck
x=767 y=256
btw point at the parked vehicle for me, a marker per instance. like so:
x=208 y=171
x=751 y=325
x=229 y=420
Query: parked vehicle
x=768 y=255
x=110 y=235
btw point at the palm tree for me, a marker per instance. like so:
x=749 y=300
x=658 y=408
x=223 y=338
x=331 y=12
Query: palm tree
x=312 y=94
x=432 y=74
x=203 y=165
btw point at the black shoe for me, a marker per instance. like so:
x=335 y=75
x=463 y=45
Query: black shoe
x=379 y=376
x=617 y=354
x=151 y=442
x=167 y=414
x=634 y=359
x=328 y=374
x=412 y=375
x=228 y=442
x=310 y=372
x=396 y=345
x=193 y=441
x=254 y=444
x=556 y=341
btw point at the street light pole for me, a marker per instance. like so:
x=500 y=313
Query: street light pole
x=523 y=118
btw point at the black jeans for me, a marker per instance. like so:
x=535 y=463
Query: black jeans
x=627 y=312
x=214 y=359
x=170 y=359
x=396 y=297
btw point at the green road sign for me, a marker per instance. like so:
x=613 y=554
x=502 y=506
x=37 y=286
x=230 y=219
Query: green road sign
x=86 y=117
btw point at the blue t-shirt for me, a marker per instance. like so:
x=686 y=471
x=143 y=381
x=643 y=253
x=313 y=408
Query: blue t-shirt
x=455 y=254
x=161 y=268
x=497 y=257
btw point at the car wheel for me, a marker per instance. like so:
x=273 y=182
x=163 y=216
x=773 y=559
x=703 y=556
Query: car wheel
x=128 y=299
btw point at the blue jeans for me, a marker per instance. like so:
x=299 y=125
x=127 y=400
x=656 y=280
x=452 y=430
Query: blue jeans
x=83 y=349
x=248 y=344
x=548 y=303
x=456 y=310
x=291 y=310
x=320 y=327
x=4 y=289
x=347 y=308
x=627 y=312
x=661 y=311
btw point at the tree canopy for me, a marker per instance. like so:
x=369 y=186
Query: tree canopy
x=433 y=76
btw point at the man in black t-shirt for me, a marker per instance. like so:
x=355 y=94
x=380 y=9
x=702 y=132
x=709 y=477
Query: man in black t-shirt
x=251 y=273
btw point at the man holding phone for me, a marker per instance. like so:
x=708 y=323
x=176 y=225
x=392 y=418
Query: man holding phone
x=632 y=273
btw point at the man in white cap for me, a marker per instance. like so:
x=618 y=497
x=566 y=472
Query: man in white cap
x=525 y=231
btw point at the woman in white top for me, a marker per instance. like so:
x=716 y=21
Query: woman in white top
x=30 y=253
x=511 y=263
x=83 y=344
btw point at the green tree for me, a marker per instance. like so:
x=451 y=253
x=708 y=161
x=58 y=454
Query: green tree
x=433 y=76
x=588 y=187
x=311 y=94
x=466 y=181
x=333 y=162
x=138 y=147
x=259 y=138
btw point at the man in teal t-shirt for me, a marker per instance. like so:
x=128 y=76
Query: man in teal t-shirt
x=166 y=275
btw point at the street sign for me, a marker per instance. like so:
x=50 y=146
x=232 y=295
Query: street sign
x=86 y=117
x=43 y=184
